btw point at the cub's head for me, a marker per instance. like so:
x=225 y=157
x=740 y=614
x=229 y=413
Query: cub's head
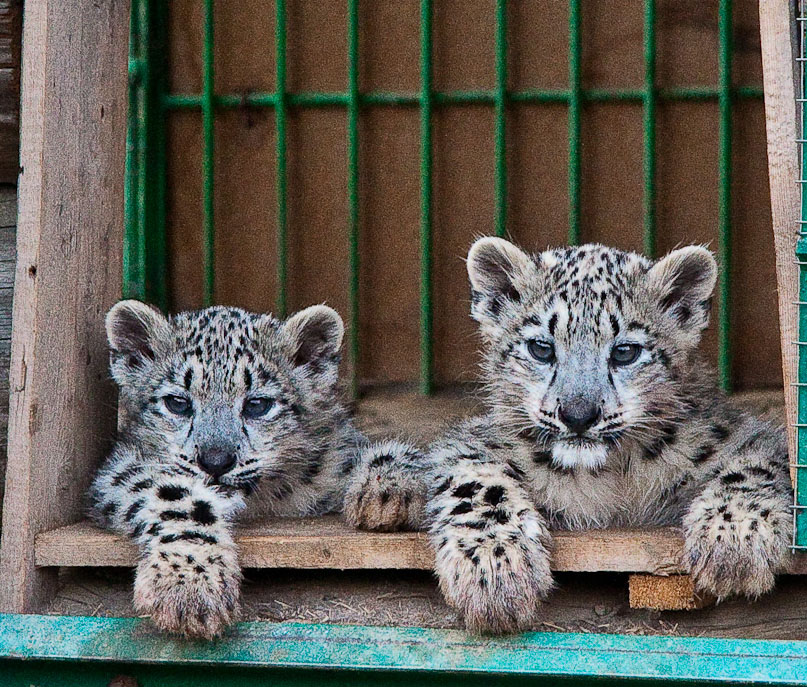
x=585 y=347
x=236 y=395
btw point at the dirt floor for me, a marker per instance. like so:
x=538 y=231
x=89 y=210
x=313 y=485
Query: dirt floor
x=582 y=602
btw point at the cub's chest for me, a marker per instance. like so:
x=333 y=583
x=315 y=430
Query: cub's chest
x=627 y=492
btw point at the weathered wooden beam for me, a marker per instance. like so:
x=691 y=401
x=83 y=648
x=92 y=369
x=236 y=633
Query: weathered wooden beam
x=69 y=244
x=329 y=543
x=776 y=25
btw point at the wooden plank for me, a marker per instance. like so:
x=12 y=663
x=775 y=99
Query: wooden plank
x=778 y=52
x=329 y=543
x=74 y=104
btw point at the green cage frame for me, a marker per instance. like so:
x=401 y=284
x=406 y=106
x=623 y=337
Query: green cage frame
x=145 y=248
x=800 y=482
x=88 y=652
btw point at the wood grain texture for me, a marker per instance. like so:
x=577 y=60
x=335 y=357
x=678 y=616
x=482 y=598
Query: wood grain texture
x=74 y=103
x=778 y=52
x=671 y=593
x=329 y=543
x=8 y=255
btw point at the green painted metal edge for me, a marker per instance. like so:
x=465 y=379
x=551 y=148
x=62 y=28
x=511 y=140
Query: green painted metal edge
x=800 y=495
x=294 y=645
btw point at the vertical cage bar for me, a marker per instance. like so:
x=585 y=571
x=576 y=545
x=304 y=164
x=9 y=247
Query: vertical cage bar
x=500 y=114
x=353 y=183
x=426 y=347
x=208 y=116
x=143 y=126
x=649 y=199
x=724 y=194
x=575 y=101
x=133 y=228
x=156 y=246
x=280 y=154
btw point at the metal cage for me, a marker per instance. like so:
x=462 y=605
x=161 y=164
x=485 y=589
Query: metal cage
x=145 y=253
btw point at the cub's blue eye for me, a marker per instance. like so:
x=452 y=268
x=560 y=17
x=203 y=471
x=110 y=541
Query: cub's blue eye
x=178 y=405
x=542 y=351
x=625 y=354
x=257 y=407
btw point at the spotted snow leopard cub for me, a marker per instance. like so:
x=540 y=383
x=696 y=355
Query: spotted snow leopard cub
x=599 y=413
x=232 y=415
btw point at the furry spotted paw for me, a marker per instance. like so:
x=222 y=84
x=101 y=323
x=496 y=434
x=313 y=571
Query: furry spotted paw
x=193 y=593
x=386 y=491
x=734 y=556
x=497 y=583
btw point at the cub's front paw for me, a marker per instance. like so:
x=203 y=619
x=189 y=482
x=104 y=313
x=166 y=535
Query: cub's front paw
x=386 y=492
x=498 y=583
x=733 y=555
x=194 y=593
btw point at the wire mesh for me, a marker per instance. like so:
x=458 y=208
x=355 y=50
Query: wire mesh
x=800 y=485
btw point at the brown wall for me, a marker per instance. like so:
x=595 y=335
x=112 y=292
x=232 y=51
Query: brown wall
x=463 y=154
x=10 y=33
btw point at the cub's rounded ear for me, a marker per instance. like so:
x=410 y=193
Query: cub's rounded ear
x=682 y=282
x=499 y=271
x=316 y=333
x=134 y=329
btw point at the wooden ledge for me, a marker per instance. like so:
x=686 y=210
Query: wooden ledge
x=329 y=543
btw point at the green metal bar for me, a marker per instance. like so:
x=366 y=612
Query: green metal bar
x=208 y=117
x=279 y=101
x=724 y=194
x=337 y=656
x=500 y=114
x=181 y=101
x=353 y=184
x=426 y=350
x=575 y=100
x=144 y=40
x=649 y=163
x=132 y=279
x=156 y=249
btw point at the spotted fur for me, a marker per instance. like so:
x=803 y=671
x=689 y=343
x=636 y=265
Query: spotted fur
x=575 y=437
x=229 y=415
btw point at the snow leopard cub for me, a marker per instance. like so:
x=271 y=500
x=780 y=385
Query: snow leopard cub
x=599 y=413
x=229 y=415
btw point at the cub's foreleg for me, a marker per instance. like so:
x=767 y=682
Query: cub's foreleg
x=188 y=575
x=491 y=545
x=737 y=531
x=387 y=488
